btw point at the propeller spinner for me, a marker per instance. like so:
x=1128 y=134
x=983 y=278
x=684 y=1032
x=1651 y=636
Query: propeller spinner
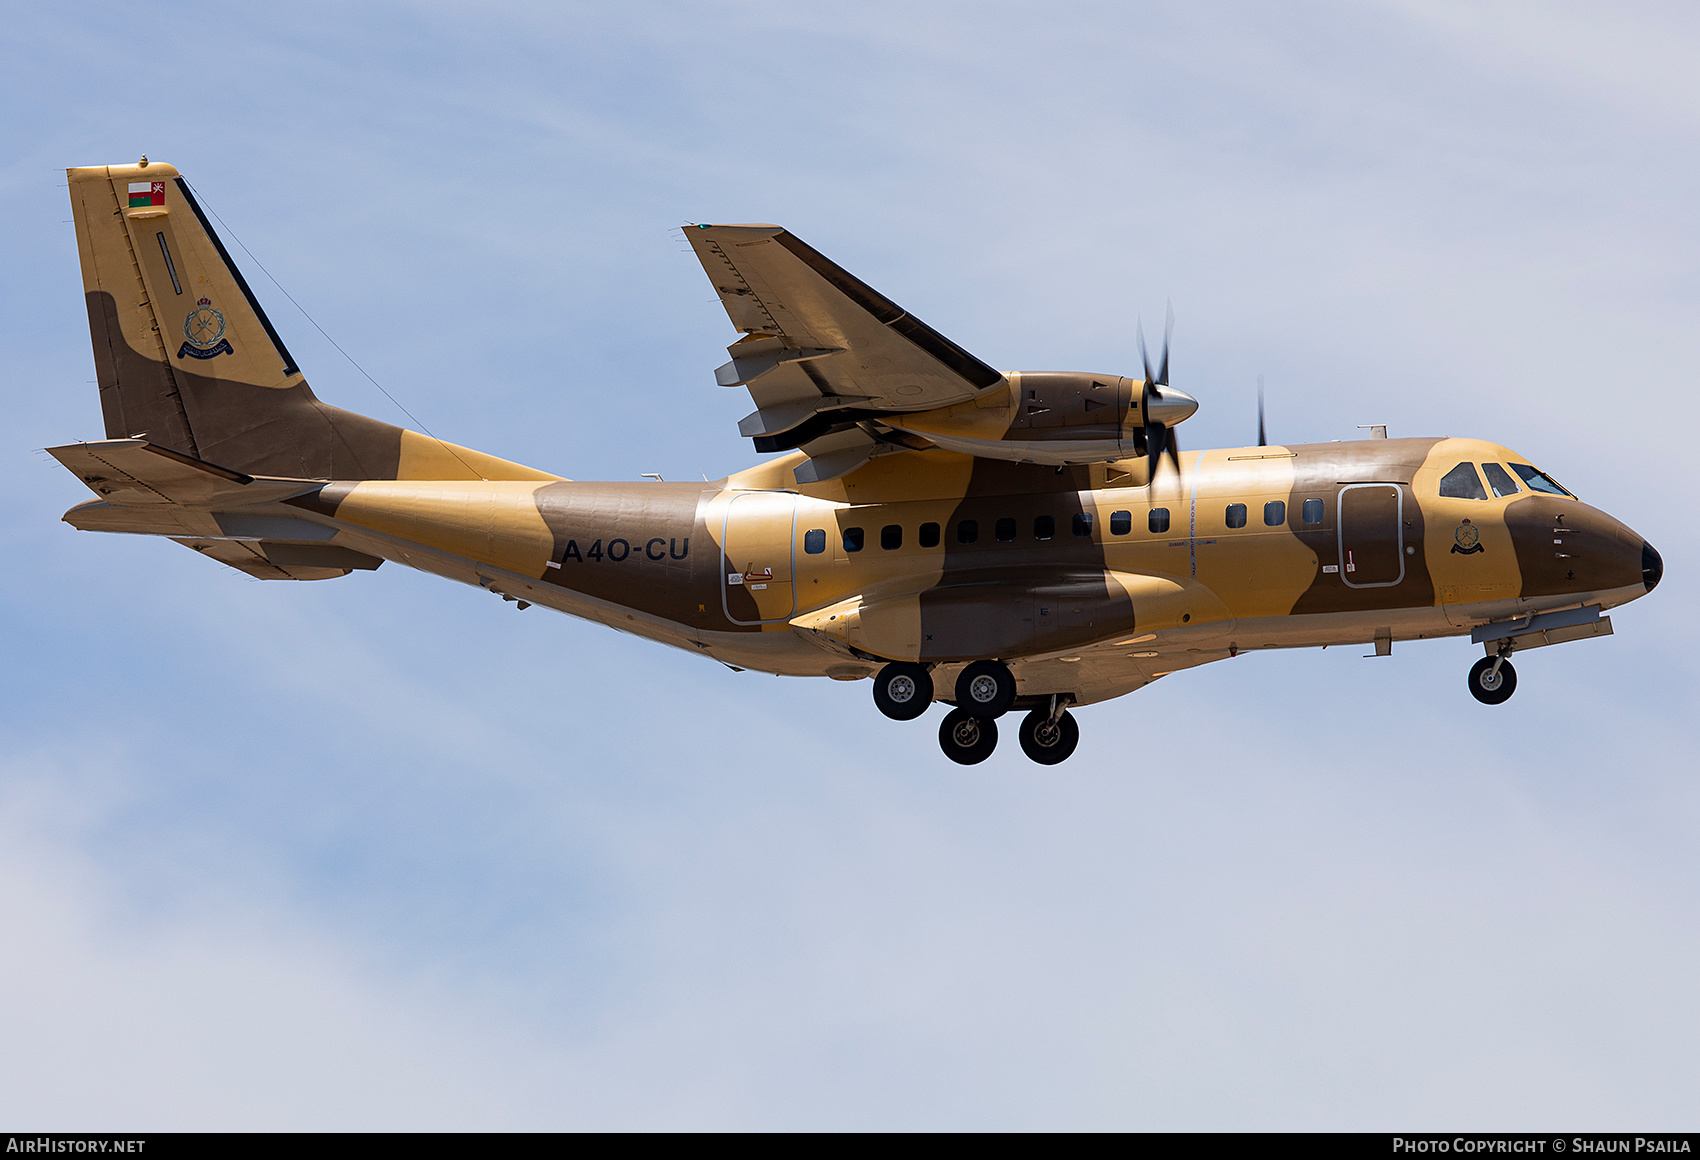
x=1161 y=406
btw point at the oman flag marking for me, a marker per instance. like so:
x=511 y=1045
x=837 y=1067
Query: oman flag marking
x=147 y=193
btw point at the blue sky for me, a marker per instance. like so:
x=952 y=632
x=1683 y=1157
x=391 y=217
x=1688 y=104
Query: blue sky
x=383 y=852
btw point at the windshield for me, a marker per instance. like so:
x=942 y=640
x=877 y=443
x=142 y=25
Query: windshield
x=1539 y=480
x=1462 y=482
x=1501 y=483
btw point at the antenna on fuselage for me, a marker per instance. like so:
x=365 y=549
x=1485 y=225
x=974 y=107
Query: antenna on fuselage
x=1262 y=438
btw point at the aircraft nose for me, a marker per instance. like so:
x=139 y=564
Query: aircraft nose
x=1652 y=566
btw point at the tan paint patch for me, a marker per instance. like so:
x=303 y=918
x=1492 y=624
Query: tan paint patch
x=907 y=476
x=495 y=522
x=1162 y=602
x=248 y=356
x=887 y=628
x=1257 y=570
x=987 y=417
x=423 y=457
x=1466 y=577
x=774 y=475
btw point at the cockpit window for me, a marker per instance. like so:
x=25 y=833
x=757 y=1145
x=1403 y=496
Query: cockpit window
x=1539 y=480
x=1499 y=481
x=1462 y=482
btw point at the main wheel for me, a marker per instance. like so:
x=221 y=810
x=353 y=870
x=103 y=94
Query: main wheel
x=967 y=739
x=986 y=689
x=1046 y=743
x=903 y=691
x=1489 y=687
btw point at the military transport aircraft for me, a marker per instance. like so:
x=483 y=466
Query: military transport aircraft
x=990 y=539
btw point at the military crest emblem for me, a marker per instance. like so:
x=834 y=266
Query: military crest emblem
x=1468 y=539
x=203 y=332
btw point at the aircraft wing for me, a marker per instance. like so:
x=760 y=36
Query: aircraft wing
x=819 y=340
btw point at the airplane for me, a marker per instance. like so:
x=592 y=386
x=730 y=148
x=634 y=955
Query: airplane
x=1030 y=541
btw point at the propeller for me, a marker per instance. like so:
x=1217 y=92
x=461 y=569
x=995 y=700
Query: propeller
x=1262 y=439
x=1159 y=436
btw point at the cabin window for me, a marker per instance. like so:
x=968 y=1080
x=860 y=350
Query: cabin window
x=852 y=539
x=891 y=537
x=968 y=531
x=1236 y=515
x=929 y=535
x=1083 y=524
x=1311 y=512
x=1499 y=481
x=1275 y=513
x=1044 y=527
x=1462 y=482
x=1004 y=531
x=1539 y=480
x=1158 y=520
x=814 y=541
x=1121 y=523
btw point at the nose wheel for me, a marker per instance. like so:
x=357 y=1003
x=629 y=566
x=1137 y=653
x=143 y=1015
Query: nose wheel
x=1493 y=680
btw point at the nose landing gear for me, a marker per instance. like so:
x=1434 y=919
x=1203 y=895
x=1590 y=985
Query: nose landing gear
x=1493 y=680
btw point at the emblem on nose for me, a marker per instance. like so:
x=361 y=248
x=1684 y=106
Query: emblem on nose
x=1469 y=539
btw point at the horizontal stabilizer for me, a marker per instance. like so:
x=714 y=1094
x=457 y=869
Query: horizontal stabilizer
x=136 y=472
x=265 y=561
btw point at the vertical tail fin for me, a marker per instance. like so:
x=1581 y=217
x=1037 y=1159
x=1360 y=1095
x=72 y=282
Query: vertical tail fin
x=187 y=359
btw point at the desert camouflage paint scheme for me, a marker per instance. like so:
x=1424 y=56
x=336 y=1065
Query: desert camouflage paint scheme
x=927 y=509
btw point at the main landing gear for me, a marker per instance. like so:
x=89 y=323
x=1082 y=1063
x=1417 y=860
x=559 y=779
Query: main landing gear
x=967 y=739
x=1493 y=680
x=984 y=692
x=987 y=688
x=903 y=691
x=1049 y=734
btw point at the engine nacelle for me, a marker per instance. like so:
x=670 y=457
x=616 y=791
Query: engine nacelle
x=1055 y=417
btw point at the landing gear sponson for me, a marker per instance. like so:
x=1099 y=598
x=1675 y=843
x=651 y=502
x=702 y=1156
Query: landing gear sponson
x=984 y=691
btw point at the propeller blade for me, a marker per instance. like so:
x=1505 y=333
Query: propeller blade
x=1173 y=450
x=1168 y=332
x=1146 y=358
x=1262 y=439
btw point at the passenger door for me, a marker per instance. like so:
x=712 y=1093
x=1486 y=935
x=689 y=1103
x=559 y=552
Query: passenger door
x=1372 y=540
x=757 y=584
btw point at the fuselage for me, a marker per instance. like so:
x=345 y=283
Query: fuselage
x=1087 y=580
